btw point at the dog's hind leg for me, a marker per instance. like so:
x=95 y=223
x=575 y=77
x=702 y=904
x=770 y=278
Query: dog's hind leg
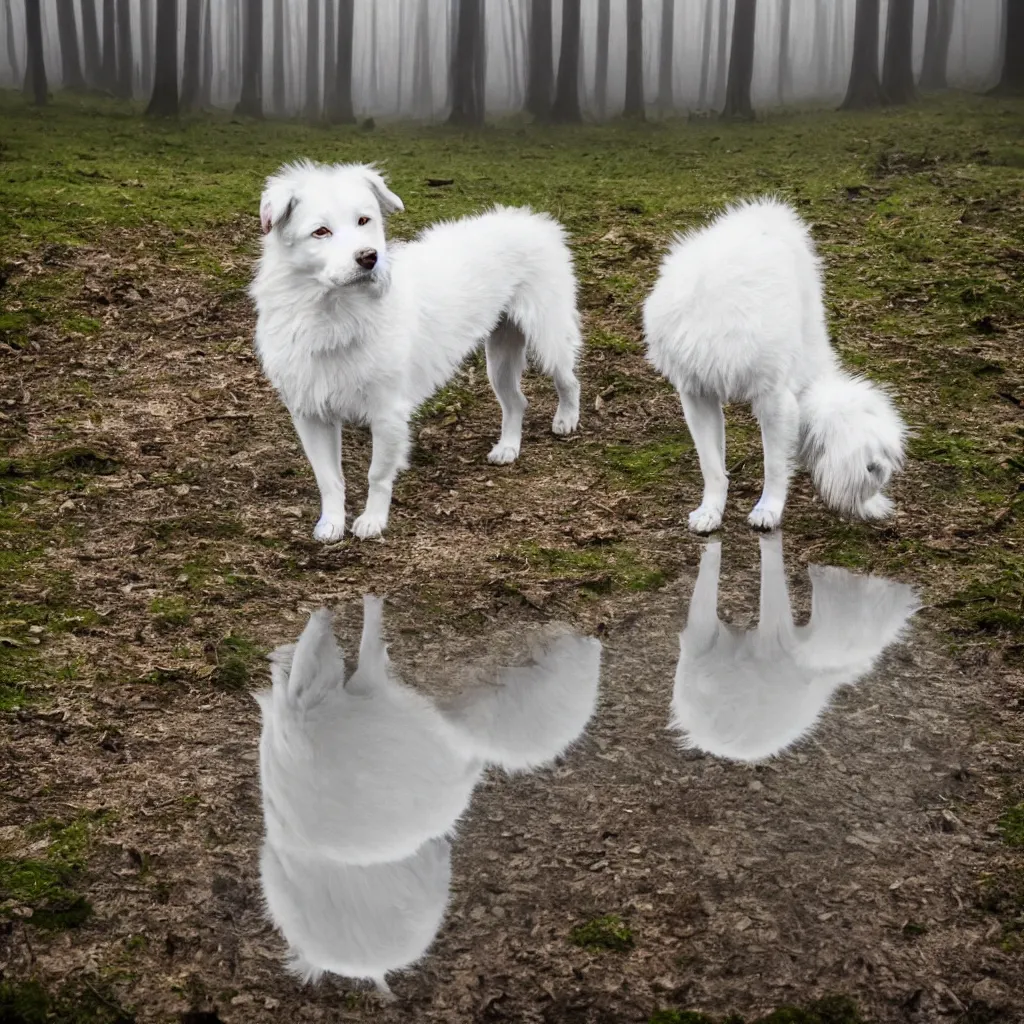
x=506 y=359
x=779 y=416
x=706 y=421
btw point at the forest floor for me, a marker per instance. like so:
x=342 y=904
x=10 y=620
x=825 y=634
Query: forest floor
x=155 y=543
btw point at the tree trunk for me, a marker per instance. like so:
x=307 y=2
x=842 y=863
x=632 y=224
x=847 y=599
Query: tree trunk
x=1011 y=82
x=206 y=89
x=634 y=106
x=374 y=78
x=838 y=44
x=35 y=71
x=722 y=54
x=109 y=45
x=567 y=93
x=312 y=105
x=785 y=77
x=469 y=65
x=865 y=89
x=820 y=45
x=91 y=45
x=125 y=56
x=146 y=32
x=342 y=110
x=604 y=18
x=705 y=55
x=71 y=76
x=668 y=29
x=936 y=43
x=164 y=102
x=12 y=46
x=542 y=71
x=898 y=66
x=251 y=102
x=330 y=55
x=741 y=61
x=422 y=78
x=277 y=70
x=193 y=54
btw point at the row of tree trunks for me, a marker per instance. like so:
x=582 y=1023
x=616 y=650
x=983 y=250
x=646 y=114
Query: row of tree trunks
x=469 y=65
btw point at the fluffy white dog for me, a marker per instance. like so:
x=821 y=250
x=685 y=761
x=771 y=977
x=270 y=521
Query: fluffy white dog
x=352 y=330
x=737 y=314
x=747 y=694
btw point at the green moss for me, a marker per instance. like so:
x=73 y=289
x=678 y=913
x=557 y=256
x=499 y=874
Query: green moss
x=830 y=1010
x=641 y=466
x=235 y=657
x=28 y=1002
x=606 y=932
x=1011 y=825
x=170 y=611
x=609 y=341
x=598 y=569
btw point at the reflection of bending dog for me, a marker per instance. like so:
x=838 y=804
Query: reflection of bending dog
x=746 y=695
x=364 y=777
x=737 y=315
x=350 y=330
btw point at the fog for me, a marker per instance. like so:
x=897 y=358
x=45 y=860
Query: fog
x=403 y=51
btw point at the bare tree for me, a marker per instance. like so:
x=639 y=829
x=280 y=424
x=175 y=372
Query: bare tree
x=331 y=53
x=251 y=102
x=146 y=32
x=722 y=54
x=206 y=88
x=277 y=92
x=741 y=61
x=312 y=105
x=604 y=17
x=12 y=46
x=109 y=45
x=705 y=55
x=567 y=93
x=1011 y=81
x=469 y=65
x=125 y=57
x=820 y=45
x=936 y=43
x=35 y=71
x=839 y=43
x=192 y=69
x=634 y=106
x=668 y=29
x=342 y=110
x=785 y=69
x=71 y=76
x=422 y=79
x=865 y=88
x=542 y=71
x=164 y=102
x=898 y=66
x=91 y=45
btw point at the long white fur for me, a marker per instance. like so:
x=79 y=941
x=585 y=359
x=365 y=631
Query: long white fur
x=363 y=779
x=746 y=695
x=737 y=314
x=345 y=345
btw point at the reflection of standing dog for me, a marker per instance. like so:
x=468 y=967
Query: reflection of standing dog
x=351 y=332
x=747 y=694
x=737 y=315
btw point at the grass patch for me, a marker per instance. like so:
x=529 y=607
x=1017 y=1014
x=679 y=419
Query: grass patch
x=28 y=1002
x=596 y=569
x=170 y=612
x=1011 y=825
x=642 y=466
x=603 y=933
x=234 y=660
x=830 y=1010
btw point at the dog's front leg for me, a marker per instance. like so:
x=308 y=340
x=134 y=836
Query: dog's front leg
x=321 y=442
x=390 y=432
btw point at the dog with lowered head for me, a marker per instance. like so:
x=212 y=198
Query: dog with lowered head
x=353 y=329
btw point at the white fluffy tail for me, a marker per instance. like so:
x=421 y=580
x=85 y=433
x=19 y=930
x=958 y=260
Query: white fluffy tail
x=852 y=442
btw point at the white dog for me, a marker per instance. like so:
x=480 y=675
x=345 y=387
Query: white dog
x=737 y=314
x=352 y=330
x=747 y=694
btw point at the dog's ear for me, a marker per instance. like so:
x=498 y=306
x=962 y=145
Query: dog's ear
x=277 y=204
x=389 y=203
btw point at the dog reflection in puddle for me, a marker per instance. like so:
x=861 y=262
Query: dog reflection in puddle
x=364 y=779
x=748 y=694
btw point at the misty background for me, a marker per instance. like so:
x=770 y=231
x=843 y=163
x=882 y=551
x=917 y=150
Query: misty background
x=431 y=59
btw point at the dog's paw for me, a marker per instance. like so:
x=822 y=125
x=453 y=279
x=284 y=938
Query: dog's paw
x=503 y=454
x=765 y=518
x=705 y=519
x=369 y=525
x=329 y=529
x=565 y=422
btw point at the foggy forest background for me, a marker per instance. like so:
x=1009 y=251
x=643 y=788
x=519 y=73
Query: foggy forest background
x=464 y=60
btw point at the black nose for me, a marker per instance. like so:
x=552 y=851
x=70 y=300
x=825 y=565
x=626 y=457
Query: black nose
x=367 y=259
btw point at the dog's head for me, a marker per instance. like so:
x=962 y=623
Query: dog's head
x=328 y=221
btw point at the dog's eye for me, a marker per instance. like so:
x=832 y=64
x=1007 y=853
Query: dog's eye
x=363 y=220
x=322 y=233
